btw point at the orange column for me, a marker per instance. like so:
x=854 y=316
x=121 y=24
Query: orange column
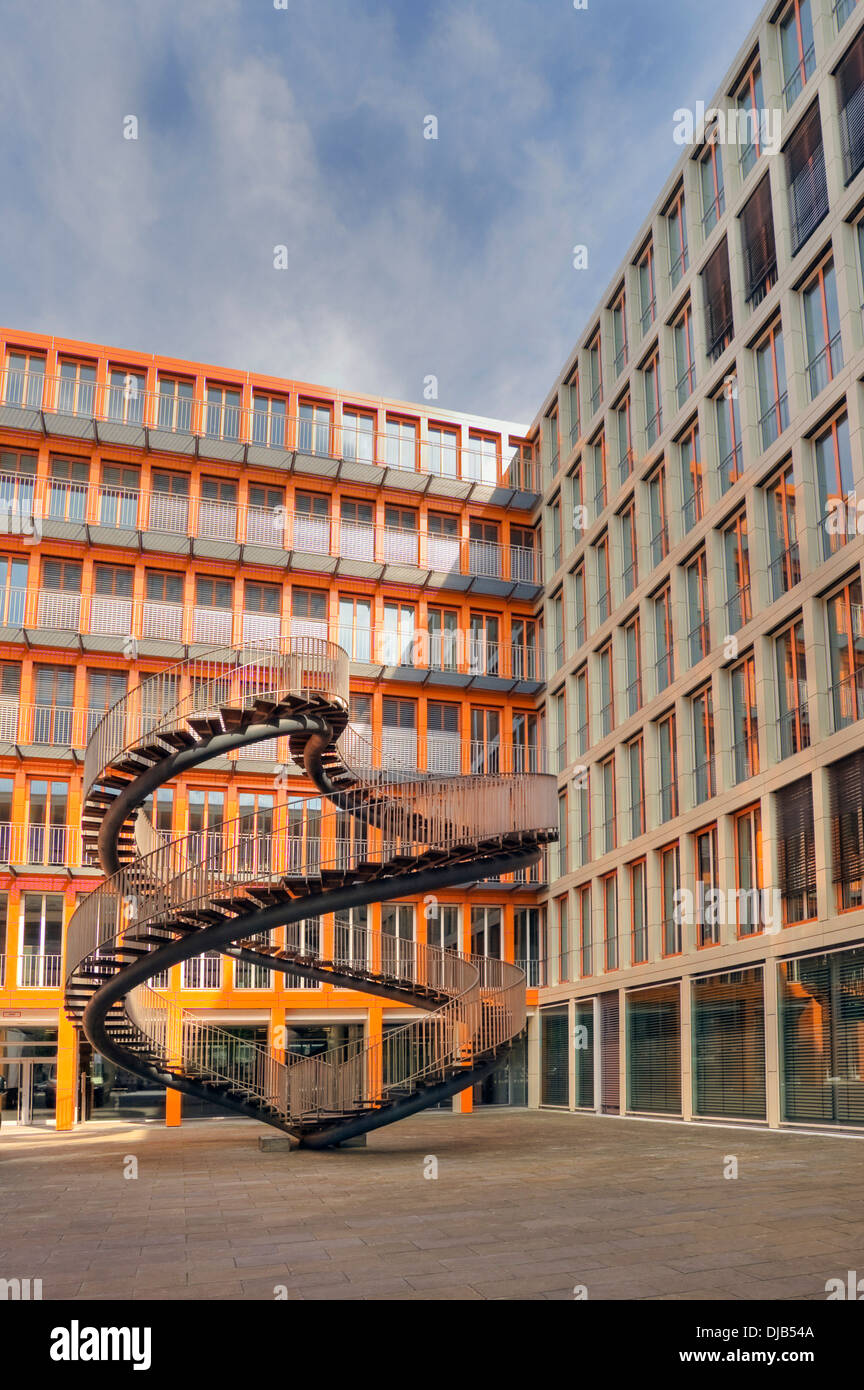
x=67 y=1072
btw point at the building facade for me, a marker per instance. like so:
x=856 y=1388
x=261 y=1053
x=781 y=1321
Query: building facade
x=655 y=591
x=156 y=510
x=701 y=454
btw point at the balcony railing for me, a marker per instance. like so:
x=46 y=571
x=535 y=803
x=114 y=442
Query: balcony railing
x=625 y=465
x=774 y=420
x=664 y=671
x=692 y=509
x=660 y=545
x=699 y=641
x=785 y=571
x=64 y=407
x=745 y=759
x=794 y=730
x=704 y=782
x=738 y=609
x=30 y=501
x=730 y=468
x=847 y=700
x=39 y=972
x=654 y=427
x=46 y=845
x=822 y=368
x=648 y=314
x=668 y=799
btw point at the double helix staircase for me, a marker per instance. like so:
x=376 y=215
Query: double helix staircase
x=385 y=834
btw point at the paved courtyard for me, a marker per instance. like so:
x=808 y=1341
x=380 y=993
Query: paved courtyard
x=525 y=1205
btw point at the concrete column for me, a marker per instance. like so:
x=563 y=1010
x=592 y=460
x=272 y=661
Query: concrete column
x=686 y=1049
x=772 y=1044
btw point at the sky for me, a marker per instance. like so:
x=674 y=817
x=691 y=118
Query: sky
x=303 y=127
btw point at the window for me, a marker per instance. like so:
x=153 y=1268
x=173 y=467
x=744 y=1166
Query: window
x=707 y=897
x=717 y=296
x=728 y=434
x=222 y=419
x=630 y=577
x=563 y=847
x=163 y=586
x=76 y=389
x=667 y=741
x=206 y=821
x=10 y=707
x=399 y=741
x=653 y=410
x=46 y=822
x=663 y=638
x=556 y=613
x=791 y=659
x=586 y=943
x=582 y=792
x=805 y=172
x=579 y=605
x=784 y=559
x=796 y=49
x=846 y=654
x=745 y=731
x=625 y=440
x=314 y=428
x=607 y=700
x=619 y=332
x=752 y=916
x=633 y=664
x=609 y=887
x=771 y=382
x=104 y=689
x=736 y=556
x=846 y=779
x=822 y=329
x=217 y=509
x=124 y=399
x=481 y=463
x=604 y=578
x=486 y=931
x=67 y=490
x=442 y=931
x=757 y=239
x=443 y=548
x=698 y=638
x=685 y=371
x=636 y=771
x=484 y=548
x=555 y=532
x=704 y=778
x=691 y=477
x=355 y=627
x=25 y=380
x=559 y=725
x=796 y=851
x=398 y=949
x=598 y=453
x=444 y=638
x=41 y=941
x=676 y=225
x=175 y=405
x=670 y=877
x=595 y=372
x=609 y=804
x=169 y=503
x=835 y=483
x=485 y=740
x=850 y=96
x=524 y=649
x=526 y=741
x=575 y=408
x=397 y=636
x=553 y=434
x=580 y=685
x=358 y=436
x=60 y=599
x=214 y=593
x=118 y=497
x=657 y=515
x=268 y=421
x=484 y=644
x=309 y=612
x=750 y=104
x=647 y=297
x=638 y=913
x=711 y=184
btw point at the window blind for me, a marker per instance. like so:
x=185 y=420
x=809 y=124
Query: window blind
x=728 y=1030
x=654 y=1049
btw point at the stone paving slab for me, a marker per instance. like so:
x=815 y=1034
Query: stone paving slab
x=527 y=1206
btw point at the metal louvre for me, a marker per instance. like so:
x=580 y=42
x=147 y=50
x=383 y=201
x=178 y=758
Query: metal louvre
x=584 y=1054
x=728 y=1029
x=610 y=1079
x=554 y=1069
x=850 y=94
x=822 y=1038
x=654 y=1049
x=717 y=290
x=757 y=230
x=796 y=846
x=805 y=170
x=847 y=817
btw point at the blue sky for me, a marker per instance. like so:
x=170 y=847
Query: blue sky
x=303 y=127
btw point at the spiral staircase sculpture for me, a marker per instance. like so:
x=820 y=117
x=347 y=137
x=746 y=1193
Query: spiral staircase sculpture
x=387 y=834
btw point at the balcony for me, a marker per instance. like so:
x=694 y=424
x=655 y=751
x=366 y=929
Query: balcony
x=52 y=846
x=165 y=422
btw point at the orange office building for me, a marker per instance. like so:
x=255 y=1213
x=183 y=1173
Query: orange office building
x=157 y=509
